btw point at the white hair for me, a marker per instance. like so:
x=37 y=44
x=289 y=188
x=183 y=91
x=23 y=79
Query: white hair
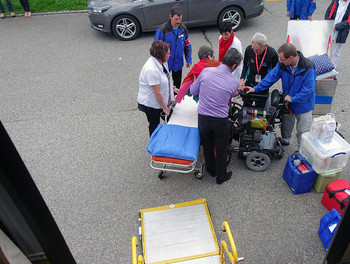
x=259 y=38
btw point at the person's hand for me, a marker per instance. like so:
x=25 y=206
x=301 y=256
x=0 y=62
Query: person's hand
x=176 y=90
x=166 y=110
x=309 y=17
x=249 y=89
x=241 y=85
x=188 y=64
x=288 y=14
x=288 y=98
x=173 y=102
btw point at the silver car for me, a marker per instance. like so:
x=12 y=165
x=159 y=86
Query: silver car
x=127 y=18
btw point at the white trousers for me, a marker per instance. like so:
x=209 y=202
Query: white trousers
x=336 y=52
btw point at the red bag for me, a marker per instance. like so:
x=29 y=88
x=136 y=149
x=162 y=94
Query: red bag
x=336 y=195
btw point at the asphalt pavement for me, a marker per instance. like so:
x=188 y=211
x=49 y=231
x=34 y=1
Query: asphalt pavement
x=68 y=101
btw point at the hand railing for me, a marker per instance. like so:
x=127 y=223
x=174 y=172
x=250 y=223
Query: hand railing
x=232 y=256
x=134 y=252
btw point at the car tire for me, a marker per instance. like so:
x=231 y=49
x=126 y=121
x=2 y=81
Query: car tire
x=234 y=15
x=126 y=27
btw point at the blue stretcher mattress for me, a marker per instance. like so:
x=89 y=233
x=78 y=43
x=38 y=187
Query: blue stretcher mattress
x=174 y=141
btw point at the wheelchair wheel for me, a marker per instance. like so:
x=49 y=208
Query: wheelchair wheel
x=258 y=161
x=279 y=152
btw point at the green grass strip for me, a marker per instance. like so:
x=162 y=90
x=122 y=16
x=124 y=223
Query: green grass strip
x=41 y=6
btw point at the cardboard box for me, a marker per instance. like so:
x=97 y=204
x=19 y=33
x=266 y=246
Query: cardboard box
x=325 y=90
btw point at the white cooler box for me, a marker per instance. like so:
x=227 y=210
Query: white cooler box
x=323 y=157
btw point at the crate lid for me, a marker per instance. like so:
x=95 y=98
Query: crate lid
x=337 y=145
x=330 y=172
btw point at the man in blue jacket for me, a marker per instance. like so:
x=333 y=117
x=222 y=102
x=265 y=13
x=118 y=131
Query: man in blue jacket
x=175 y=33
x=298 y=76
x=300 y=9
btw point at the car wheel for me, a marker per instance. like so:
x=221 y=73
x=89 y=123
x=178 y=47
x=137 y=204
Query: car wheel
x=232 y=14
x=126 y=27
x=258 y=161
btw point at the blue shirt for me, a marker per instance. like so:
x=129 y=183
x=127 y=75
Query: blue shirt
x=216 y=86
x=175 y=30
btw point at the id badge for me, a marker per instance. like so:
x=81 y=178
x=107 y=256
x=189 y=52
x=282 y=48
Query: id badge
x=257 y=78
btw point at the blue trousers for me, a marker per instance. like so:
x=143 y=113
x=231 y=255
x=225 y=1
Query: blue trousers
x=25 y=5
x=9 y=6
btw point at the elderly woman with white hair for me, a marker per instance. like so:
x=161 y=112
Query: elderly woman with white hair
x=259 y=59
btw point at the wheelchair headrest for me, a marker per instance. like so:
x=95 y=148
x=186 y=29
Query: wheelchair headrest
x=275 y=98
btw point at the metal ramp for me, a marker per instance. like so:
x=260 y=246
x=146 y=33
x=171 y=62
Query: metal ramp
x=179 y=233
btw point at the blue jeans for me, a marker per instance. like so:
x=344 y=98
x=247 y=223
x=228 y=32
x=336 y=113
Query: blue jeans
x=9 y=6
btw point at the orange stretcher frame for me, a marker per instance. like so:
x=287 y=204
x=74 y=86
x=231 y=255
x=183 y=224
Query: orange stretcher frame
x=172 y=160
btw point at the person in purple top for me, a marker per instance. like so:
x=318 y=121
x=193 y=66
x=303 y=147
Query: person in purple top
x=216 y=86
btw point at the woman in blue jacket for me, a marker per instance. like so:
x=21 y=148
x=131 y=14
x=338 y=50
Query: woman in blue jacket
x=300 y=9
x=339 y=11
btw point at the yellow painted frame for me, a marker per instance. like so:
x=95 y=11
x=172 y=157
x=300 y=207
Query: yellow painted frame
x=135 y=260
x=172 y=206
x=232 y=256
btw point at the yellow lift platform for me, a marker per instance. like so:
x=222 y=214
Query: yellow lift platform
x=181 y=233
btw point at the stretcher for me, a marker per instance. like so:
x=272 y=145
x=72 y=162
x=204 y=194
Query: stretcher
x=181 y=233
x=174 y=146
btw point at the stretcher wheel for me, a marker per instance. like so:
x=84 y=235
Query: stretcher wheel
x=258 y=161
x=198 y=174
x=161 y=174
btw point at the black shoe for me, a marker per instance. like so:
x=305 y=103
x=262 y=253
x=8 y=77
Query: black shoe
x=283 y=141
x=226 y=177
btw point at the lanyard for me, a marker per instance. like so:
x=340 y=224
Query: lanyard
x=169 y=84
x=256 y=61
